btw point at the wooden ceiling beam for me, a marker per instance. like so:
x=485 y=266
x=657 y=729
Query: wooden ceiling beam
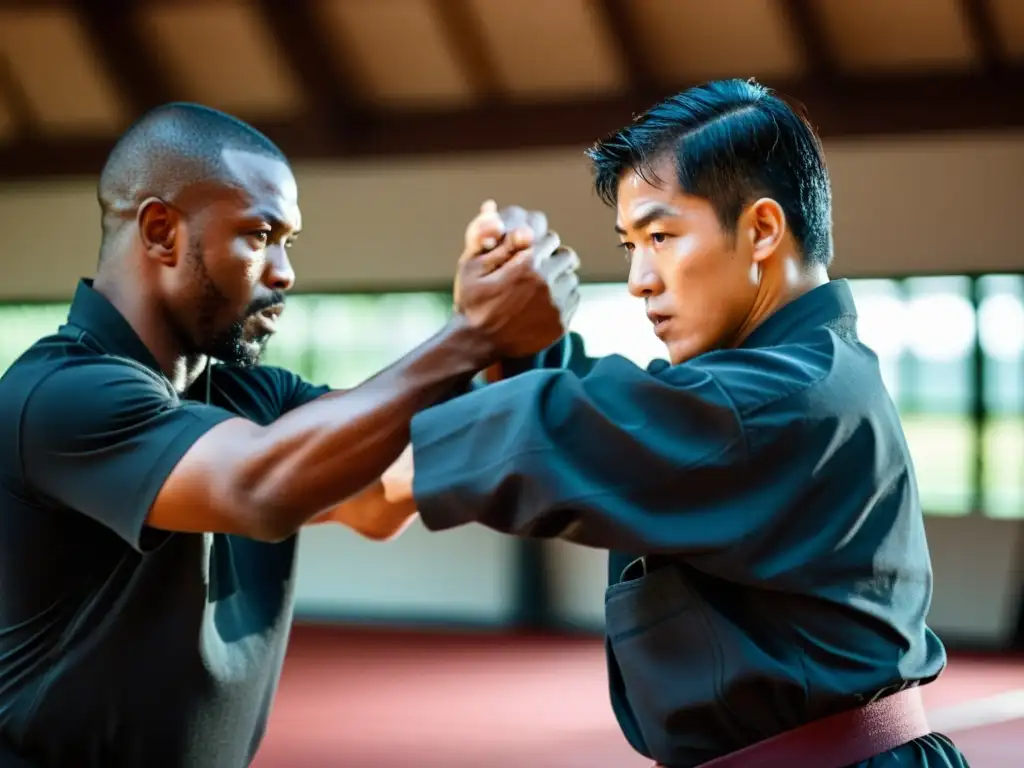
x=984 y=33
x=622 y=28
x=19 y=107
x=114 y=31
x=844 y=108
x=808 y=28
x=464 y=37
x=323 y=72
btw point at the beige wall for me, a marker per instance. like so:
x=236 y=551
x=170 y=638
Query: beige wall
x=941 y=205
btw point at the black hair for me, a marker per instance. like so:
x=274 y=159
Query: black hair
x=732 y=141
x=169 y=149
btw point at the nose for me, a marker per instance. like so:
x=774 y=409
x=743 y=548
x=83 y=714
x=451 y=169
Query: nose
x=279 y=275
x=644 y=280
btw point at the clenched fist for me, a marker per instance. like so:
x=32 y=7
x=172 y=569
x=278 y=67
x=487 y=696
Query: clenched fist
x=515 y=280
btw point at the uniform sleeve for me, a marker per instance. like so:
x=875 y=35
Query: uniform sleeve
x=101 y=437
x=619 y=458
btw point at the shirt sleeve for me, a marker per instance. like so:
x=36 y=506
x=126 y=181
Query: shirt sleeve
x=101 y=437
x=619 y=458
x=296 y=390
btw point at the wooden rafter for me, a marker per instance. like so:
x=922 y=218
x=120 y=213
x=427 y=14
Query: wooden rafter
x=324 y=73
x=877 y=105
x=112 y=28
x=16 y=100
x=984 y=33
x=464 y=37
x=804 y=19
x=622 y=29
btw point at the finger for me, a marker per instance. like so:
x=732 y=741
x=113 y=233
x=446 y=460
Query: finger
x=514 y=217
x=517 y=241
x=569 y=311
x=483 y=234
x=562 y=261
x=564 y=285
x=505 y=251
x=489 y=206
x=538 y=222
x=511 y=260
x=521 y=238
x=568 y=256
x=544 y=248
x=555 y=262
x=566 y=294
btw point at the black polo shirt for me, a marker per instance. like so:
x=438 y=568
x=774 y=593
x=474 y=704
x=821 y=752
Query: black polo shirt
x=769 y=564
x=121 y=645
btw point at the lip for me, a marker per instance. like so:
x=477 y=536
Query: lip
x=267 y=318
x=660 y=323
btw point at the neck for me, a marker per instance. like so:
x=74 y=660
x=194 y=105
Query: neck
x=146 y=317
x=782 y=281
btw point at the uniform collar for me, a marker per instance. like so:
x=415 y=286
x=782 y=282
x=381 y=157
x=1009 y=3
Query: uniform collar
x=92 y=313
x=830 y=304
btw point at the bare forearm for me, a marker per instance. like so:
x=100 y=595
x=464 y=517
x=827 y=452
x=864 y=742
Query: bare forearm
x=370 y=514
x=269 y=481
x=329 y=450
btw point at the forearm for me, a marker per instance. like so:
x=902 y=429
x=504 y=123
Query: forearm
x=327 y=451
x=370 y=514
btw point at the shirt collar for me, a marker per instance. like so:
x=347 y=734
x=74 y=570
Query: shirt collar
x=830 y=304
x=92 y=313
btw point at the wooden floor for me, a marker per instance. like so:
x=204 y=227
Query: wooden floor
x=351 y=699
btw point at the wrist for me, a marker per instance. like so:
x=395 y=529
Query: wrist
x=475 y=344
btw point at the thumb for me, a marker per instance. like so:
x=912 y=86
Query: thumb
x=484 y=232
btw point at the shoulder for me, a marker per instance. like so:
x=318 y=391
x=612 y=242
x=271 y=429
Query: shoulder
x=276 y=389
x=759 y=379
x=60 y=379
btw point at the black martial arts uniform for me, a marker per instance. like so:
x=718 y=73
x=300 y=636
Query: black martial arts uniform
x=770 y=565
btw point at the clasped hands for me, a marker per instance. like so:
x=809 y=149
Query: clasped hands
x=530 y=238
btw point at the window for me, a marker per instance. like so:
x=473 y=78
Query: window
x=936 y=398
x=951 y=351
x=23 y=324
x=611 y=321
x=1001 y=336
x=342 y=340
x=922 y=330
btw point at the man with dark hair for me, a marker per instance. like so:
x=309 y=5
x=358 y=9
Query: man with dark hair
x=769 y=576
x=151 y=498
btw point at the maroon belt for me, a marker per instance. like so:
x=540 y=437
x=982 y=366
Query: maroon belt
x=840 y=740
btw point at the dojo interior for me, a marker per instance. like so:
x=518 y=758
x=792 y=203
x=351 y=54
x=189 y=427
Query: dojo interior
x=468 y=648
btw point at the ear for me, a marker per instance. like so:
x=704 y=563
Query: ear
x=765 y=225
x=159 y=226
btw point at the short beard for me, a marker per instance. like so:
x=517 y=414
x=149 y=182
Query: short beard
x=231 y=345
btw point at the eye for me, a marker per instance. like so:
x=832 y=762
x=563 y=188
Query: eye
x=659 y=237
x=258 y=239
x=627 y=249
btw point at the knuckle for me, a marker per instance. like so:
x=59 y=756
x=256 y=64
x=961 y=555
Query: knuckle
x=513 y=215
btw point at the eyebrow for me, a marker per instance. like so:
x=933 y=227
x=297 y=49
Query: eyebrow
x=652 y=214
x=273 y=217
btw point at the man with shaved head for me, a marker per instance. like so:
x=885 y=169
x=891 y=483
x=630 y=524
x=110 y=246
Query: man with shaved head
x=155 y=475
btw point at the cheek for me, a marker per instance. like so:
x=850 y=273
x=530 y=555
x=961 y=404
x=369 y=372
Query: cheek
x=236 y=269
x=696 y=272
x=711 y=285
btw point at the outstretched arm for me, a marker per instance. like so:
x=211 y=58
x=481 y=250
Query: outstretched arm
x=619 y=458
x=209 y=471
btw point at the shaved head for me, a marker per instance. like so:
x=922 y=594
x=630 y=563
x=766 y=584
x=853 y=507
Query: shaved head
x=199 y=210
x=169 y=151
